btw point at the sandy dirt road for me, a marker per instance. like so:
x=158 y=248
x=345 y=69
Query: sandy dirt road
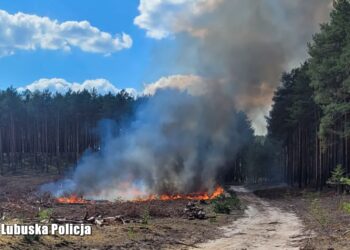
x=263 y=227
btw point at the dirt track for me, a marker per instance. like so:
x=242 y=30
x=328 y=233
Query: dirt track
x=263 y=227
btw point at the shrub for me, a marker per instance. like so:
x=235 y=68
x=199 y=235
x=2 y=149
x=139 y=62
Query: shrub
x=337 y=175
x=145 y=216
x=345 y=181
x=45 y=214
x=31 y=238
x=224 y=205
x=346 y=207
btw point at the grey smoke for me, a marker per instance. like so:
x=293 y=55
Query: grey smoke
x=176 y=144
x=249 y=43
x=179 y=142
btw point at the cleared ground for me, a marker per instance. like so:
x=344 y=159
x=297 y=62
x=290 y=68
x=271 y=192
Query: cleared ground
x=277 y=218
x=149 y=225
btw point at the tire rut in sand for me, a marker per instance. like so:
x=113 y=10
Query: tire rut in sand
x=262 y=227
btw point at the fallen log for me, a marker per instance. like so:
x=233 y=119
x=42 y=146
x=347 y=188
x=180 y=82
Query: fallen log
x=115 y=218
x=90 y=219
x=99 y=222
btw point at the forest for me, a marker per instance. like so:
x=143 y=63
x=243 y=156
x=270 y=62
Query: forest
x=310 y=115
x=41 y=130
x=308 y=125
x=172 y=161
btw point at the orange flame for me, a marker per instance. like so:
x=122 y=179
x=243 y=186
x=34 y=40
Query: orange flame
x=194 y=196
x=73 y=199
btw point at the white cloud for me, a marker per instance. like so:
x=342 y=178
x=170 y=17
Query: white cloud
x=163 y=18
x=193 y=84
x=22 y=31
x=102 y=86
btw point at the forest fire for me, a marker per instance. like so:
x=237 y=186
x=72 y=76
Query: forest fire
x=73 y=199
x=193 y=196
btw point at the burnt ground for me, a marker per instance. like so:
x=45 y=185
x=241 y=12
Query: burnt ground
x=149 y=225
x=324 y=214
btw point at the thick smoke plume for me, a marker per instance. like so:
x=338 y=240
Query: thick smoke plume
x=175 y=145
x=180 y=141
x=247 y=43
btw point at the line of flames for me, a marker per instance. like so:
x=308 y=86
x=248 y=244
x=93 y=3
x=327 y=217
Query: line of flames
x=74 y=199
x=194 y=196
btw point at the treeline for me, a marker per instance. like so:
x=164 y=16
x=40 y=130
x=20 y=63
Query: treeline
x=311 y=112
x=41 y=130
x=48 y=132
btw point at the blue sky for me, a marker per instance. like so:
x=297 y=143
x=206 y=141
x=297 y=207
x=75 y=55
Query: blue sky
x=109 y=45
x=126 y=68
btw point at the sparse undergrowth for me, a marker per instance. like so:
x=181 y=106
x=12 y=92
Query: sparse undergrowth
x=319 y=213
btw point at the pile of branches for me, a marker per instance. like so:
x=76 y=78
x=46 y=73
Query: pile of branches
x=192 y=211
